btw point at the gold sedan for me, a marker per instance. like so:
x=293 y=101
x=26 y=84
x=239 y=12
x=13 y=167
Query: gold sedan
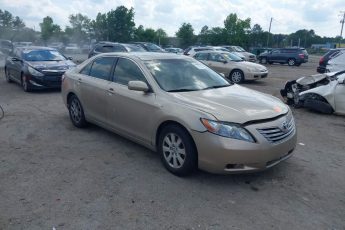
x=182 y=109
x=231 y=66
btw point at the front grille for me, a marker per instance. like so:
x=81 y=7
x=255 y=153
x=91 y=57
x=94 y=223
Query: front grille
x=277 y=135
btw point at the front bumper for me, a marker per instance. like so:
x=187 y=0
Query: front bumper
x=45 y=82
x=256 y=75
x=222 y=155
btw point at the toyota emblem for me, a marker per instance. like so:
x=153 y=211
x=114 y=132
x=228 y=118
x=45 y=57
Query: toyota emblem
x=285 y=127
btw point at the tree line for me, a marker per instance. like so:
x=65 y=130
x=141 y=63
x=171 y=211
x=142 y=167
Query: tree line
x=118 y=25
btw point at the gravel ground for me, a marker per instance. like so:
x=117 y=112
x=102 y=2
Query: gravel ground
x=53 y=175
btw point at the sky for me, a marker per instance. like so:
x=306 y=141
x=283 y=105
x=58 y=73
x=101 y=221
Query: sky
x=288 y=15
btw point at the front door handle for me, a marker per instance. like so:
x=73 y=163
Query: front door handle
x=79 y=81
x=111 y=91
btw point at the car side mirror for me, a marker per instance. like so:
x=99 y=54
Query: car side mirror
x=222 y=74
x=15 y=59
x=138 y=86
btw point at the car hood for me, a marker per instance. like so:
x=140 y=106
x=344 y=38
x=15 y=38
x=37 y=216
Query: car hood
x=234 y=103
x=247 y=54
x=52 y=65
x=250 y=65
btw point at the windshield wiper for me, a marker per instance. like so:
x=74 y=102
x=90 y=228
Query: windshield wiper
x=216 y=87
x=181 y=90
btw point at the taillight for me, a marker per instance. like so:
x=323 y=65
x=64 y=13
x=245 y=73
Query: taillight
x=321 y=61
x=63 y=77
x=301 y=55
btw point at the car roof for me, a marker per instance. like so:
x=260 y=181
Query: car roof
x=117 y=43
x=30 y=48
x=145 y=56
x=291 y=48
x=214 y=51
x=106 y=43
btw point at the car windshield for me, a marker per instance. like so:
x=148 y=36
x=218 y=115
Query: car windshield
x=152 y=47
x=134 y=48
x=43 y=55
x=179 y=75
x=239 y=49
x=232 y=57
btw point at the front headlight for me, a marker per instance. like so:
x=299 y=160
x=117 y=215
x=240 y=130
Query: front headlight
x=34 y=72
x=230 y=130
x=252 y=69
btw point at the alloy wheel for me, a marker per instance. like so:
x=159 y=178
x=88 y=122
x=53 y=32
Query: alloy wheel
x=174 y=150
x=7 y=76
x=236 y=77
x=291 y=62
x=76 y=110
x=25 y=84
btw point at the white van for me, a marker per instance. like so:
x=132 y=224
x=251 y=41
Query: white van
x=337 y=63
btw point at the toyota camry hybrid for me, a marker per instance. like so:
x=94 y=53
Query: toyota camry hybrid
x=182 y=109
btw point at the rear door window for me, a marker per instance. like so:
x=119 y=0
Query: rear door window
x=102 y=67
x=216 y=57
x=201 y=49
x=334 y=54
x=201 y=56
x=110 y=48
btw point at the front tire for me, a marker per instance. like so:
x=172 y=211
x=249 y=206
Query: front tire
x=263 y=60
x=76 y=112
x=7 y=76
x=236 y=76
x=25 y=84
x=177 y=150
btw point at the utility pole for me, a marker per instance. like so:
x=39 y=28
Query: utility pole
x=342 y=26
x=269 y=31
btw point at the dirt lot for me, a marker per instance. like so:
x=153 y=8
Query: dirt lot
x=53 y=175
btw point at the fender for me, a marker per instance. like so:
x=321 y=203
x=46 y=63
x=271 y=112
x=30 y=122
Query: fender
x=326 y=91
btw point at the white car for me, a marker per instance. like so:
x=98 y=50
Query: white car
x=337 y=63
x=72 y=48
x=220 y=48
x=192 y=50
x=323 y=93
x=240 y=51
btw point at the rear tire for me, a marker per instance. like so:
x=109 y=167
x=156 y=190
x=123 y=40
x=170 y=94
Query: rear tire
x=291 y=62
x=76 y=112
x=177 y=150
x=7 y=76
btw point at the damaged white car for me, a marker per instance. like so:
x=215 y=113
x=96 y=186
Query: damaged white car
x=324 y=93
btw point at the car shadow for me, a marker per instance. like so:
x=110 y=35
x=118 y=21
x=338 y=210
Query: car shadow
x=254 y=82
